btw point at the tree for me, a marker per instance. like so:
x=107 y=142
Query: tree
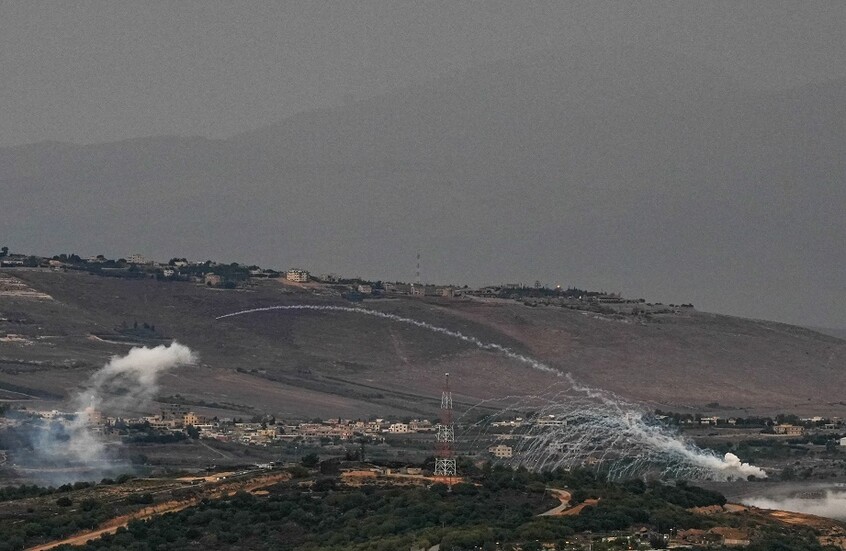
x=310 y=461
x=4 y=251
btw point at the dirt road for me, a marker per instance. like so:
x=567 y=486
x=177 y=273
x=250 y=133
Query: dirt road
x=557 y=511
x=212 y=492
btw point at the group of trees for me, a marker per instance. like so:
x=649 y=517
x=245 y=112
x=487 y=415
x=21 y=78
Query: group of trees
x=502 y=507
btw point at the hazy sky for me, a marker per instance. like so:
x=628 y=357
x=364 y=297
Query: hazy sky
x=94 y=72
x=90 y=72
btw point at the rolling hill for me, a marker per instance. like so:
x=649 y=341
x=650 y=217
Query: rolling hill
x=303 y=363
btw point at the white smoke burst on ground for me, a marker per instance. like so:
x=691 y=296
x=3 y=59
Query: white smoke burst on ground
x=595 y=428
x=64 y=450
x=572 y=428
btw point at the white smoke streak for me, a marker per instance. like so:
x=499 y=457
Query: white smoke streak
x=601 y=428
x=507 y=352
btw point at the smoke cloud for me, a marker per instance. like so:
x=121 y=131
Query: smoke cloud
x=64 y=450
x=733 y=467
x=128 y=382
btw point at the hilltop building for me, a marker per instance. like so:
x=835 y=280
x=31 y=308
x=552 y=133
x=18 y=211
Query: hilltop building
x=137 y=259
x=297 y=276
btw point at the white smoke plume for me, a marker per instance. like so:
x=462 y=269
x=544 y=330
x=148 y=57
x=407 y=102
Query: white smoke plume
x=129 y=382
x=600 y=428
x=65 y=450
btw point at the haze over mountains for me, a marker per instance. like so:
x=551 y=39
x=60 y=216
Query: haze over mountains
x=625 y=169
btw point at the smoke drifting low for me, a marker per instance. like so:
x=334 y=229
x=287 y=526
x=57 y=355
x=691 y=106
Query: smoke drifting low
x=64 y=450
x=831 y=504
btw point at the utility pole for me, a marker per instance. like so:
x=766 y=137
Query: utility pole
x=445 y=464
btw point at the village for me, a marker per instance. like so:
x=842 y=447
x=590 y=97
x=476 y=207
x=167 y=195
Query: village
x=234 y=276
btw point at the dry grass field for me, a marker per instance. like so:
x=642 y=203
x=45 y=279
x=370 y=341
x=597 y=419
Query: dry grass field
x=307 y=363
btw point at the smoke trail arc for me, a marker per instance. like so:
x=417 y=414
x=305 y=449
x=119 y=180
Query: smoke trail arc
x=492 y=347
x=597 y=427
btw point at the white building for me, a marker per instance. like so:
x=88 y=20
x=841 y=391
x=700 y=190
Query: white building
x=550 y=421
x=398 y=428
x=137 y=259
x=297 y=276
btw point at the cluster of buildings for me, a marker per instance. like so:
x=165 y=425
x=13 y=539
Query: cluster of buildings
x=797 y=427
x=177 y=418
x=214 y=274
x=718 y=536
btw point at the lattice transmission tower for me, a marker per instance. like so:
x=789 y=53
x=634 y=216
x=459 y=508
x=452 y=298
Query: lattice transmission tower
x=445 y=445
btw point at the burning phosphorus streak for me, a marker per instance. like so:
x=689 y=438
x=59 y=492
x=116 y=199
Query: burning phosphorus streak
x=599 y=427
x=442 y=330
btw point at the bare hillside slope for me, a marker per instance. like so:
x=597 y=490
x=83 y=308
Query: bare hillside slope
x=332 y=363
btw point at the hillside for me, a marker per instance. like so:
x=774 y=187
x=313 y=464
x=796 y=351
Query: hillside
x=340 y=364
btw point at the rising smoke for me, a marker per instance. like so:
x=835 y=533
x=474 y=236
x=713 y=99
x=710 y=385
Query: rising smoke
x=68 y=449
x=598 y=427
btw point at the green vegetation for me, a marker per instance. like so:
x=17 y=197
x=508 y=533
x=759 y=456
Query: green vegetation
x=11 y=493
x=501 y=507
x=48 y=520
x=315 y=512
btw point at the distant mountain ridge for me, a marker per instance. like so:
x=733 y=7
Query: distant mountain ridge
x=634 y=170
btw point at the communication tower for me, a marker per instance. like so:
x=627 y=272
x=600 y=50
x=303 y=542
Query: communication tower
x=444 y=447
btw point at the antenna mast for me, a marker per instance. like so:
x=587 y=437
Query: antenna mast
x=444 y=453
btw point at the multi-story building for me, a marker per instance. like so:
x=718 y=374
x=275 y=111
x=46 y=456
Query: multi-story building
x=501 y=451
x=416 y=425
x=297 y=276
x=789 y=430
x=137 y=259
